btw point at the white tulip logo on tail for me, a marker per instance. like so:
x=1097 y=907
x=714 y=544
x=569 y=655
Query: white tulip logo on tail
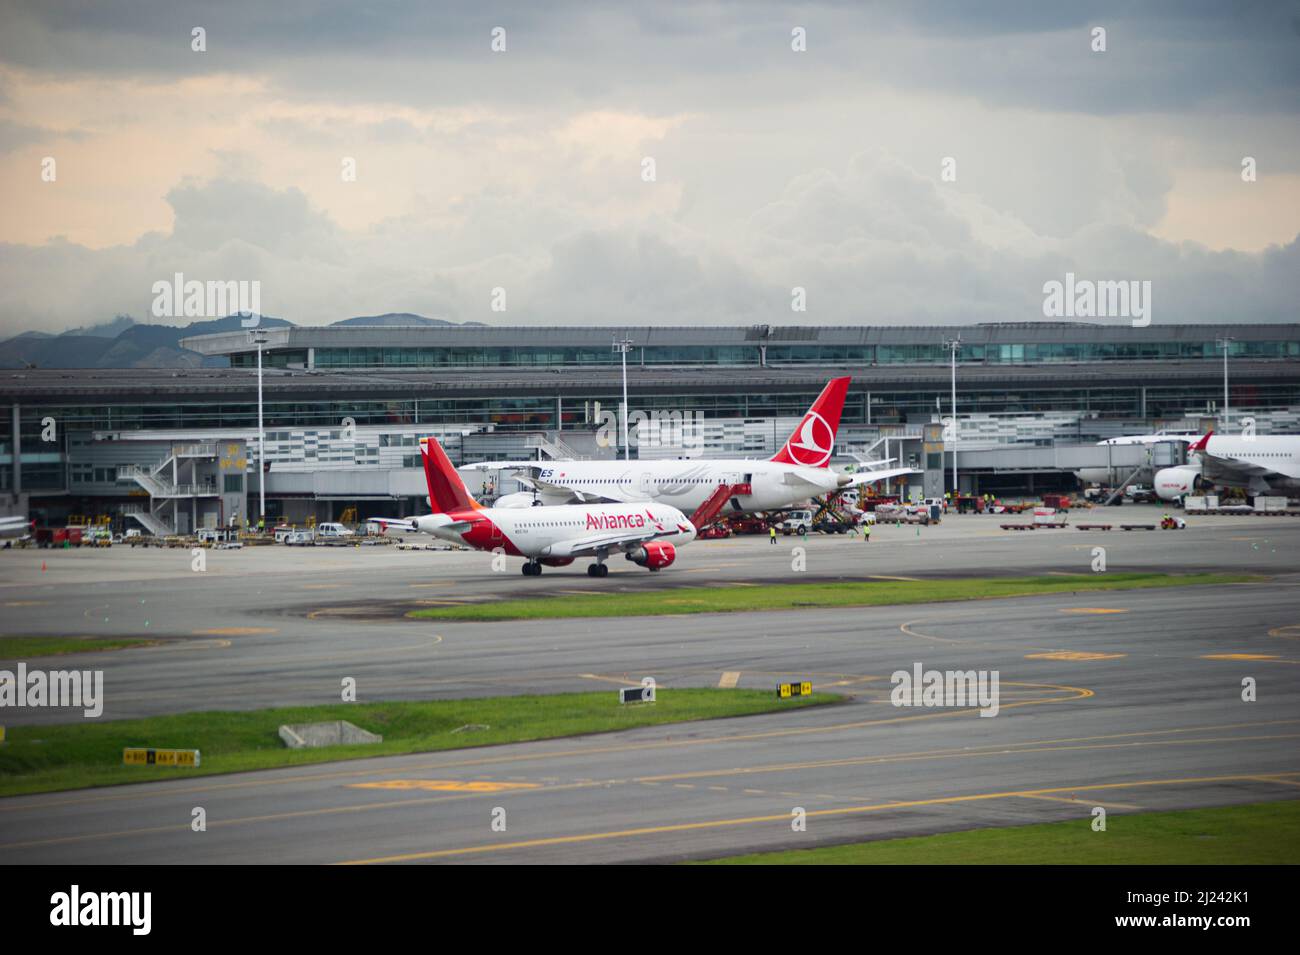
x=813 y=443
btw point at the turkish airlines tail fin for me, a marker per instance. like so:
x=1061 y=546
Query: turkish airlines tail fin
x=446 y=489
x=814 y=439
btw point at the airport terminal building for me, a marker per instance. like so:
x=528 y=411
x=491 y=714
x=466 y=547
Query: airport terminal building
x=344 y=406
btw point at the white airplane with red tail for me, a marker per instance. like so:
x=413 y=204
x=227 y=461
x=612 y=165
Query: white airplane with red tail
x=1262 y=464
x=703 y=487
x=647 y=534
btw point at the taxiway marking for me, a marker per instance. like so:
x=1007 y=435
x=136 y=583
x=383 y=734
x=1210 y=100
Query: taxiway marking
x=785 y=818
x=445 y=785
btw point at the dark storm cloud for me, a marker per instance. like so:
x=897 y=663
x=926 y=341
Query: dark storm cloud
x=1166 y=55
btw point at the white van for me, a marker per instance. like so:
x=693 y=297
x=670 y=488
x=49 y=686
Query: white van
x=332 y=531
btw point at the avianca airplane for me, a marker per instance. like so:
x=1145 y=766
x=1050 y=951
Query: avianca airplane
x=794 y=474
x=646 y=534
x=1261 y=463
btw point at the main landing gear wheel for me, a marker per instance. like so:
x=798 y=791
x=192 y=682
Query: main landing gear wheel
x=597 y=570
x=532 y=569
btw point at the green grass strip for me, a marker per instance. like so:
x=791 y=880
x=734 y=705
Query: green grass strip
x=1257 y=834
x=21 y=648
x=89 y=752
x=849 y=593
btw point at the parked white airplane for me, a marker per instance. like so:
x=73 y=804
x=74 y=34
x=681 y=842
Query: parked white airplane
x=1259 y=463
x=15 y=527
x=794 y=474
x=646 y=534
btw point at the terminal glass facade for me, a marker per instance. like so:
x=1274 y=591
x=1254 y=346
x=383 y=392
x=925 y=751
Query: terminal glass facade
x=774 y=354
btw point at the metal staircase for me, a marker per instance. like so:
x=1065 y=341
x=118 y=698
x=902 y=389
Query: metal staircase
x=554 y=448
x=868 y=455
x=163 y=489
x=156 y=482
x=151 y=522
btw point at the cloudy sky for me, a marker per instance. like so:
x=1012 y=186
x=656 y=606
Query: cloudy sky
x=525 y=169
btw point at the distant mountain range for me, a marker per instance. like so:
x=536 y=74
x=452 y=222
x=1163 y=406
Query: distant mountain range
x=124 y=343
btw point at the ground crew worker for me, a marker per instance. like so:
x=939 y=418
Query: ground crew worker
x=772 y=533
x=866 y=533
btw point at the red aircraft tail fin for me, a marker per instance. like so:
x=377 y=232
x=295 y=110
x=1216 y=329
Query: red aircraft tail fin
x=814 y=440
x=446 y=490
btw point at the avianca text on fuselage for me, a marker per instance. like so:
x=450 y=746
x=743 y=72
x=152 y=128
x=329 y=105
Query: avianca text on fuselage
x=614 y=522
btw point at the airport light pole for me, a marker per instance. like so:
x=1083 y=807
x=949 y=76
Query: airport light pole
x=954 y=345
x=624 y=346
x=258 y=337
x=1226 y=344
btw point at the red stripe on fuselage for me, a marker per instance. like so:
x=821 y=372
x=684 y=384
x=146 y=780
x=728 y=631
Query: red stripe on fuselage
x=483 y=534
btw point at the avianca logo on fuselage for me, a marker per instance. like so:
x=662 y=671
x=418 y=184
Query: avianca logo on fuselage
x=614 y=522
x=811 y=447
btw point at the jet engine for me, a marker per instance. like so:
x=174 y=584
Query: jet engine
x=1173 y=484
x=518 y=499
x=653 y=555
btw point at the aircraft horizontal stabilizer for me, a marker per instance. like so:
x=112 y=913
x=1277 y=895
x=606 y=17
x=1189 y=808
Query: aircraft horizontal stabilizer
x=406 y=524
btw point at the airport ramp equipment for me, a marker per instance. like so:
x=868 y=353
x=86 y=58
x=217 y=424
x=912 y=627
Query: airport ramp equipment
x=1123 y=484
x=706 y=513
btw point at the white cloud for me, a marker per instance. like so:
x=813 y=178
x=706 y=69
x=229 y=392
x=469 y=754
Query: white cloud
x=523 y=170
x=874 y=242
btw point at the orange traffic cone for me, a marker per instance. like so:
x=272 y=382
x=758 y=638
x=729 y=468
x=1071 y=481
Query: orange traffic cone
x=42 y=565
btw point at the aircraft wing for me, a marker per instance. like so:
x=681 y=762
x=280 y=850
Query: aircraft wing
x=814 y=476
x=871 y=477
x=611 y=541
x=559 y=489
x=1229 y=470
x=507 y=466
x=533 y=480
x=576 y=496
x=1236 y=465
